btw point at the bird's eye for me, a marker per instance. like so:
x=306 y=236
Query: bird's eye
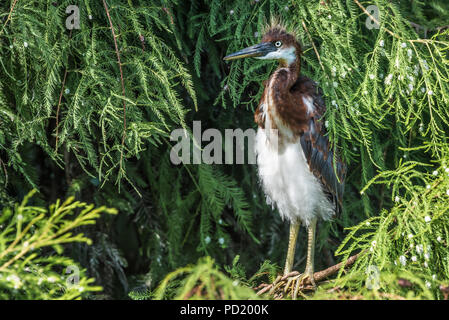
x=278 y=44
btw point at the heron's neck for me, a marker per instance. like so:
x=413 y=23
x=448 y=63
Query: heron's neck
x=294 y=68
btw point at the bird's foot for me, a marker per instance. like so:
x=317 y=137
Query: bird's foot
x=276 y=287
x=298 y=283
x=292 y=283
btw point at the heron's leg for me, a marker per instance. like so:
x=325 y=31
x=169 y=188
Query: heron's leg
x=308 y=273
x=311 y=251
x=294 y=228
x=293 y=236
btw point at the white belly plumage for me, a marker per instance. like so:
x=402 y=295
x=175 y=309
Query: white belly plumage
x=288 y=183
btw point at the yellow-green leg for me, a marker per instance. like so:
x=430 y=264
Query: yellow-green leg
x=311 y=251
x=294 y=229
x=308 y=273
x=293 y=236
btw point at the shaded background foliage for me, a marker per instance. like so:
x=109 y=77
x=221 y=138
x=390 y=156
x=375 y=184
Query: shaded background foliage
x=62 y=112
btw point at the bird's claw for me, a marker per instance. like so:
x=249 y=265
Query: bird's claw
x=295 y=283
x=276 y=285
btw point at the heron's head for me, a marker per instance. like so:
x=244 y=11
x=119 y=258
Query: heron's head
x=276 y=44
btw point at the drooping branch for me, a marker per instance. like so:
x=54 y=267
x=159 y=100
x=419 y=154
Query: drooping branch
x=121 y=79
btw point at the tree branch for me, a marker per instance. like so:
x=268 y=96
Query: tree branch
x=317 y=276
x=59 y=103
x=122 y=81
x=5 y=171
x=9 y=16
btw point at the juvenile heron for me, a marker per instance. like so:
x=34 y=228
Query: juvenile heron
x=294 y=157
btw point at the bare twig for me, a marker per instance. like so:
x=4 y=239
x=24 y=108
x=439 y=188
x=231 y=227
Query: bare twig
x=317 y=276
x=59 y=103
x=442 y=28
x=425 y=29
x=9 y=16
x=445 y=291
x=5 y=171
x=169 y=14
x=142 y=42
x=418 y=26
x=121 y=78
x=313 y=44
x=321 y=275
x=67 y=165
x=57 y=110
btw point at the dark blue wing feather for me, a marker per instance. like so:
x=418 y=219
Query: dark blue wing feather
x=317 y=149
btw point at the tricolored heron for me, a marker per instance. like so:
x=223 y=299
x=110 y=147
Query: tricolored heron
x=296 y=165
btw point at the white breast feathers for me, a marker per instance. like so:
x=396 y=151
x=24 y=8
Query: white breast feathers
x=288 y=182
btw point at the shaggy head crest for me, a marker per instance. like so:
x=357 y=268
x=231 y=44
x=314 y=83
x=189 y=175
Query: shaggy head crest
x=277 y=44
x=276 y=30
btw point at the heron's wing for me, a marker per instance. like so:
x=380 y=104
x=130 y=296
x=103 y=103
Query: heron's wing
x=316 y=146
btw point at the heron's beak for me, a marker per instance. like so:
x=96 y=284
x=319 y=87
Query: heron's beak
x=258 y=50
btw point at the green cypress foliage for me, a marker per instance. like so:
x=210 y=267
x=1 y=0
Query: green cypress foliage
x=88 y=113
